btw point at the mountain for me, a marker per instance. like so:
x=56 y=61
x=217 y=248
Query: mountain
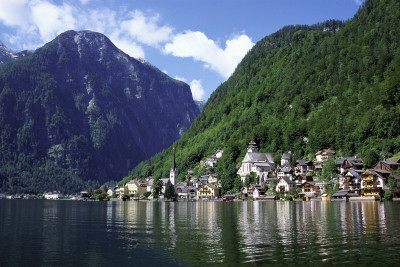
x=200 y=104
x=331 y=85
x=7 y=54
x=79 y=109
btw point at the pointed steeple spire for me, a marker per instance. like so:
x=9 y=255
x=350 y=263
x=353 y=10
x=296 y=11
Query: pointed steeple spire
x=173 y=177
x=173 y=167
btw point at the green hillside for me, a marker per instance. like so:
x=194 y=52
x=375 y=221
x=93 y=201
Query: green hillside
x=332 y=85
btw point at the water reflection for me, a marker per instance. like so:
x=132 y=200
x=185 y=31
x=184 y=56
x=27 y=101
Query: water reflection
x=258 y=231
x=198 y=233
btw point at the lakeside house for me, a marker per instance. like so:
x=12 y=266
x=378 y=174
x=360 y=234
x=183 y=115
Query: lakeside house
x=343 y=194
x=258 y=192
x=186 y=192
x=207 y=191
x=252 y=190
x=136 y=187
x=373 y=182
x=53 y=195
x=285 y=186
x=309 y=190
x=113 y=190
x=351 y=180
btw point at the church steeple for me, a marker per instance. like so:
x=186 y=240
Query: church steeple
x=173 y=177
x=173 y=167
x=252 y=147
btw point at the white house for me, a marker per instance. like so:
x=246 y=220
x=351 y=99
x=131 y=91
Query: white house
x=211 y=162
x=111 y=191
x=53 y=195
x=285 y=186
x=258 y=192
x=324 y=155
x=259 y=163
x=187 y=192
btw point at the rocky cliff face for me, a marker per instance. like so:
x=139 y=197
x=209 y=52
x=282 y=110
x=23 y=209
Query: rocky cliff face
x=82 y=103
x=5 y=53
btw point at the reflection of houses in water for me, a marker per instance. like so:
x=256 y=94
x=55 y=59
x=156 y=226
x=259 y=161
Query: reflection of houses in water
x=256 y=219
x=209 y=225
x=373 y=217
x=207 y=211
x=171 y=223
x=245 y=225
x=110 y=213
x=353 y=222
x=284 y=220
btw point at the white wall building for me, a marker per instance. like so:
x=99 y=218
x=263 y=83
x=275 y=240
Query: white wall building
x=259 y=163
x=53 y=195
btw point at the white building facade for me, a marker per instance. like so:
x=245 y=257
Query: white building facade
x=254 y=161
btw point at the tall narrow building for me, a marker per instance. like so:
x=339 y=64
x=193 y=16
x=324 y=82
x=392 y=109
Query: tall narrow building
x=173 y=176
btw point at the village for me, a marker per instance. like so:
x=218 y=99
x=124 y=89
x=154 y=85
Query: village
x=261 y=179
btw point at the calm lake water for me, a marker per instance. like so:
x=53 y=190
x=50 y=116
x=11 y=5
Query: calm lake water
x=54 y=233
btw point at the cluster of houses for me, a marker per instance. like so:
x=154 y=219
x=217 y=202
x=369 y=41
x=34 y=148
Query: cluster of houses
x=301 y=181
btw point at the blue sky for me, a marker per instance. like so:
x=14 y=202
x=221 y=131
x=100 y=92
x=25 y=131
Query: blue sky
x=197 y=41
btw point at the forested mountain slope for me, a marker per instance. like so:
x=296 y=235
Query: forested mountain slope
x=79 y=109
x=332 y=85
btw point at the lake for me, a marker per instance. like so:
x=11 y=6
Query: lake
x=134 y=233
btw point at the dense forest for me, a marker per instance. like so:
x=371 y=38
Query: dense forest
x=304 y=88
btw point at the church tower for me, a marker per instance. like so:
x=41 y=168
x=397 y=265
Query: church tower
x=252 y=147
x=173 y=176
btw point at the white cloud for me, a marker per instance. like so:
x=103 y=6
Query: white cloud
x=146 y=29
x=358 y=2
x=197 y=89
x=52 y=20
x=200 y=48
x=13 y=13
x=180 y=79
x=129 y=47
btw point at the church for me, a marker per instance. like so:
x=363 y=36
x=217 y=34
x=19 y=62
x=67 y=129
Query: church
x=173 y=175
x=254 y=161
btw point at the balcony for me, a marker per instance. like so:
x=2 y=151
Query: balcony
x=368 y=178
x=371 y=194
